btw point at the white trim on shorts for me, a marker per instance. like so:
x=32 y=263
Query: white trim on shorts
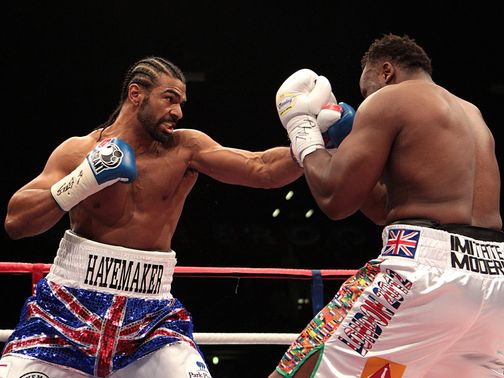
x=86 y=264
x=448 y=251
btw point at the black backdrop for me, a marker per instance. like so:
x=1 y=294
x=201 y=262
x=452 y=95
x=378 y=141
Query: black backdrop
x=62 y=69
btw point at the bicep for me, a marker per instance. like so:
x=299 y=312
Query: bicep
x=61 y=161
x=362 y=158
x=355 y=171
x=270 y=168
x=376 y=127
x=356 y=166
x=232 y=165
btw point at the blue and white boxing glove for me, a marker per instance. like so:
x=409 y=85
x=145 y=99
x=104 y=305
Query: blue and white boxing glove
x=112 y=160
x=335 y=121
x=298 y=101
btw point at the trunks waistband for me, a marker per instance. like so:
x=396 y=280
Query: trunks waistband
x=86 y=264
x=442 y=248
x=479 y=233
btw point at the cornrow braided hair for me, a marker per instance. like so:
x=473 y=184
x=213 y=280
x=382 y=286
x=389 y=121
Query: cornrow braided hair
x=146 y=73
x=402 y=50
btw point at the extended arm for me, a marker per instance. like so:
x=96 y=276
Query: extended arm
x=272 y=168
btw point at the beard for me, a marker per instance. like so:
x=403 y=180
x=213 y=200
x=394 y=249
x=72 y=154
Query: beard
x=151 y=124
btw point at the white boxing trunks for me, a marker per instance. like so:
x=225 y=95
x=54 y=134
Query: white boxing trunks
x=104 y=311
x=431 y=305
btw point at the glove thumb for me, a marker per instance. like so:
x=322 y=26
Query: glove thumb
x=319 y=95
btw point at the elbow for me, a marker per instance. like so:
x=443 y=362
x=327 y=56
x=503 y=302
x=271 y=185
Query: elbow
x=378 y=220
x=13 y=228
x=339 y=205
x=337 y=215
x=336 y=210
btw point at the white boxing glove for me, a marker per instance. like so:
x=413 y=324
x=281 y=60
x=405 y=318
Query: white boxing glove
x=298 y=101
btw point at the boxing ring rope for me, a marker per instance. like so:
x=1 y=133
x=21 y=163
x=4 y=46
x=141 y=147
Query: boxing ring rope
x=38 y=270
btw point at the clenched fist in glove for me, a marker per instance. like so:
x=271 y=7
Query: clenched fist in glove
x=298 y=101
x=335 y=121
x=112 y=160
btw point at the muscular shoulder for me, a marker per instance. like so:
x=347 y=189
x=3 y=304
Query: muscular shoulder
x=77 y=144
x=382 y=108
x=470 y=108
x=402 y=102
x=185 y=134
x=74 y=149
x=193 y=139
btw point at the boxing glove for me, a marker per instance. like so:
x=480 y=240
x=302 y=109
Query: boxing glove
x=298 y=101
x=335 y=122
x=329 y=114
x=112 y=160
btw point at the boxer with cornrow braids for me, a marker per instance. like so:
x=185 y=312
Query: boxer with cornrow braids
x=145 y=72
x=106 y=309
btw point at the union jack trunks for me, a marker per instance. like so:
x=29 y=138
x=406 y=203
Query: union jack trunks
x=101 y=308
x=429 y=306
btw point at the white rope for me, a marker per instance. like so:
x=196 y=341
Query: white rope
x=244 y=338
x=208 y=338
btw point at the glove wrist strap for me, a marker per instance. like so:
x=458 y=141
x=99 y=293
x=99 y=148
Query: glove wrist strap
x=305 y=136
x=74 y=187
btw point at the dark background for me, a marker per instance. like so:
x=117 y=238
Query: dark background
x=62 y=66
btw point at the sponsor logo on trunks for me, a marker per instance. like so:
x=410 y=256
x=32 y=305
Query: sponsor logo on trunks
x=201 y=372
x=379 y=368
x=475 y=256
x=121 y=274
x=401 y=242
x=375 y=312
x=34 y=374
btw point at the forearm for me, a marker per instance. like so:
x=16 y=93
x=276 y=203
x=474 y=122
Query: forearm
x=31 y=212
x=375 y=206
x=283 y=169
x=317 y=167
x=272 y=168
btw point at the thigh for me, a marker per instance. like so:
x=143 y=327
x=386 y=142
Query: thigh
x=15 y=366
x=466 y=365
x=402 y=323
x=480 y=350
x=179 y=359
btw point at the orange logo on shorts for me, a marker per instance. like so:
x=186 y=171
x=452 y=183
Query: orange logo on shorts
x=380 y=368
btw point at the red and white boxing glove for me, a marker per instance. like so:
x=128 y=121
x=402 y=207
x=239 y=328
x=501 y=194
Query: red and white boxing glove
x=298 y=101
x=329 y=114
x=335 y=121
